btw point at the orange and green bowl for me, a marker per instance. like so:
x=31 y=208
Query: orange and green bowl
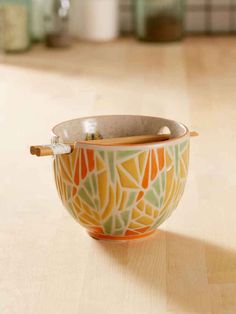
x=121 y=192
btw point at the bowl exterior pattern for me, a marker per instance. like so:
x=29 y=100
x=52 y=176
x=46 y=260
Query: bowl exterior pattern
x=121 y=193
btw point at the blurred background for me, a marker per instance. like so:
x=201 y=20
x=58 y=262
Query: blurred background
x=58 y=23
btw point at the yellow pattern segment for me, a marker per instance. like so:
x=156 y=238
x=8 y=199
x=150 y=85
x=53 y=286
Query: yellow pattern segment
x=89 y=219
x=156 y=213
x=125 y=181
x=64 y=192
x=169 y=181
x=99 y=164
x=135 y=213
x=77 y=201
x=77 y=208
x=96 y=215
x=171 y=197
x=74 y=209
x=130 y=166
x=65 y=159
x=142 y=162
x=169 y=160
x=149 y=210
x=87 y=209
x=84 y=222
x=141 y=205
x=183 y=172
x=63 y=172
x=144 y=220
x=134 y=225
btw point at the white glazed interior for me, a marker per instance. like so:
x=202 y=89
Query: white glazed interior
x=116 y=126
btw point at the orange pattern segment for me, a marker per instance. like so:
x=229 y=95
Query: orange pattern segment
x=130 y=233
x=90 y=157
x=142 y=230
x=135 y=236
x=161 y=157
x=146 y=173
x=74 y=191
x=83 y=164
x=140 y=195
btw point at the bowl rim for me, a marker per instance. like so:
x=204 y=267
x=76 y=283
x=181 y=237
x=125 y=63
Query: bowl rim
x=90 y=145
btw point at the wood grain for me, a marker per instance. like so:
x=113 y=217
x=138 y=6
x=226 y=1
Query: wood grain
x=48 y=264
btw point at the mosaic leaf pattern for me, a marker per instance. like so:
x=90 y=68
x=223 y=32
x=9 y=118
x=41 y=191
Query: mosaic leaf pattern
x=122 y=193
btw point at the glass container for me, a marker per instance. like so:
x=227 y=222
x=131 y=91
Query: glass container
x=96 y=20
x=14 y=25
x=159 y=20
x=57 y=23
x=37 y=19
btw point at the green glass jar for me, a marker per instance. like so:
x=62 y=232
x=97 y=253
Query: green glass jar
x=37 y=19
x=14 y=25
x=159 y=20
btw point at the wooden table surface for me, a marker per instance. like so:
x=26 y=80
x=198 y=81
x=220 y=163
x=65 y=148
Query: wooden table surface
x=48 y=264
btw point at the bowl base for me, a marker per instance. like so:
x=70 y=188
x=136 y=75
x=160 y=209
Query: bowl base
x=99 y=236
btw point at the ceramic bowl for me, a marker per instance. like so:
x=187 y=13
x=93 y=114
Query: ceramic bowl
x=121 y=192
